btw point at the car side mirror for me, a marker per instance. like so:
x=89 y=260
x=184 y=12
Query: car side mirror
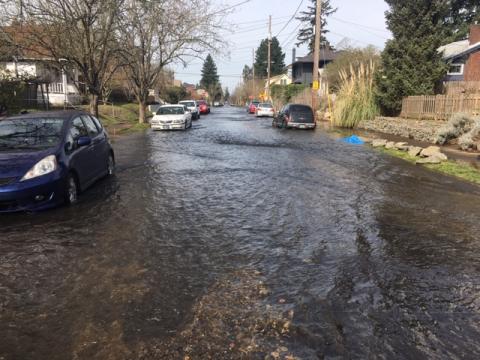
x=84 y=141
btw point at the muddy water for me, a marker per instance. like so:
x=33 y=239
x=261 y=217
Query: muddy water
x=235 y=240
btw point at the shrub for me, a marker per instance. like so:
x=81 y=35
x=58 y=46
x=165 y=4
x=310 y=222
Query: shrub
x=471 y=139
x=355 y=98
x=458 y=125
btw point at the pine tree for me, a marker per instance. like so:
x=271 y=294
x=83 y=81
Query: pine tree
x=226 y=94
x=411 y=64
x=306 y=35
x=460 y=15
x=209 y=74
x=277 y=66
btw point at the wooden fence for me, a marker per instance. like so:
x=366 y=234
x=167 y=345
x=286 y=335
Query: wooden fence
x=461 y=87
x=439 y=107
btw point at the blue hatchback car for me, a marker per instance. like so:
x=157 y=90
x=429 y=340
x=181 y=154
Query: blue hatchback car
x=46 y=159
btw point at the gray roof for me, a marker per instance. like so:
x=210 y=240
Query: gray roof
x=458 y=49
x=326 y=54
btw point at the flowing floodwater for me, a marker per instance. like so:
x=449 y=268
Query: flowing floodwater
x=235 y=240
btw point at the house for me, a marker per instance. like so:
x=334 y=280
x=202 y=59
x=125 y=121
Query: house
x=463 y=57
x=191 y=90
x=302 y=67
x=48 y=80
x=282 y=79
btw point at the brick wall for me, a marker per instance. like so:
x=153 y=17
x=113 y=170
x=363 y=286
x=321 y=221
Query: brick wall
x=472 y=66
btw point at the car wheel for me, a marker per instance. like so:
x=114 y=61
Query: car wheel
x=110 y=166
x=71 y=195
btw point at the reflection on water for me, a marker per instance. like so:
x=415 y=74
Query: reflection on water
x=236 y=240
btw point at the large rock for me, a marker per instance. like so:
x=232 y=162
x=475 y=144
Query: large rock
x=379 y=142
x=390 y=145
x=414 y=151
x=403 y=146
x=434 y=159
x=430 y=151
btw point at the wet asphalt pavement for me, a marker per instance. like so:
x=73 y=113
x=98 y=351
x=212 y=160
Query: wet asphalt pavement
x=235 y=240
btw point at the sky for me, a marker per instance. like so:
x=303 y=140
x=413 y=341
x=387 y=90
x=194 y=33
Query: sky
x=356 y=23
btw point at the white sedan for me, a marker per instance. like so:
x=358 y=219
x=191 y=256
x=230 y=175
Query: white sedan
x=172 y=117
x=265 y=109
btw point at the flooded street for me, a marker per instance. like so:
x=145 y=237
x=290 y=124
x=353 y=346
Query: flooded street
x=235 y=240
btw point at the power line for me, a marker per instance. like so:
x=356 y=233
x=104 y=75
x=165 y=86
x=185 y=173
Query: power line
x=293 y=17
x=357 y=24
x=363 y=29
x=260 y=21
x=229 y=8
x=290 y=38
x=254 y=29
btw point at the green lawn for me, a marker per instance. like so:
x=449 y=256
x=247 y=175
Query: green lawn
x=457 y=169
x=120 y=119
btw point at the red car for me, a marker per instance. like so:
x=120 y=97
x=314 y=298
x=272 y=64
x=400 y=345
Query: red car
x=203 y=107
x=252 y=108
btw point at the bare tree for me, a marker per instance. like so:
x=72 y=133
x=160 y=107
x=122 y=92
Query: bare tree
x=81 y=33
x=158 y=33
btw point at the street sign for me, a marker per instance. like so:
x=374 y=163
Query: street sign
x=315 y=85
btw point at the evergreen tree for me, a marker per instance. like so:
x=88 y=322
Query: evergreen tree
x=460 y=15
x=277 y=66
x=306 y=35
x=226 y=94
x=209 y=74
x=411 y=64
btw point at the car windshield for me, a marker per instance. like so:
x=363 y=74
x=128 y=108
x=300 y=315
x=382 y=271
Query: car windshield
x=255 y=103
x=265 y=105
x=171 y=110
x=188 y=103
x=33 y=133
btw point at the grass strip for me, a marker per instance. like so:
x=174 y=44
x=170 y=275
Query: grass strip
x=454 y=168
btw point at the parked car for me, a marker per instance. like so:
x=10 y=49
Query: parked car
x=172 y=117
x=265 y=109
x=252 y=107
x=48 y=158
x=203 y=107
x=192 y=106
x=295 y=116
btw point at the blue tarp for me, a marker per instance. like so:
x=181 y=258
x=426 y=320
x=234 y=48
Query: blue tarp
x=355 y=140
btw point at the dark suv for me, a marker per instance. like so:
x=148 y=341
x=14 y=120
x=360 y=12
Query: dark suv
x=295 y=116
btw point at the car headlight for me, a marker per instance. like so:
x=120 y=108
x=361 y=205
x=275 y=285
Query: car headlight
x=45 y=166
x=178 y=121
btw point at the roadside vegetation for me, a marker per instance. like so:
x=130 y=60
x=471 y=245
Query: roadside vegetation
x=355 y=98
x=458 y=169
x=120 y=119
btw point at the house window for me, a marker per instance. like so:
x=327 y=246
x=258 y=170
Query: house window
x=455 y=69
x=284 y=82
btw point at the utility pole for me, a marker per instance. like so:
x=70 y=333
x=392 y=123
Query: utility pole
x=253 y=70
x=269 y=55
x=316 y=55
